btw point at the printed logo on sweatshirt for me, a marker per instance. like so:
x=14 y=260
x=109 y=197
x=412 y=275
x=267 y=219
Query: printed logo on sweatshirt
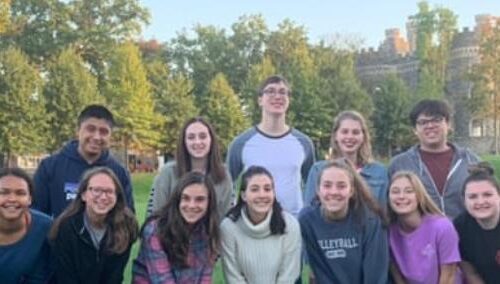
x=429 y=250
x=71 y=189
x=337 y=248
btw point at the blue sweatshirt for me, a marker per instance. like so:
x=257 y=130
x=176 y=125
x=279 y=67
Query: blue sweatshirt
x=58 y=176
x=345 y=251
x=28 y=259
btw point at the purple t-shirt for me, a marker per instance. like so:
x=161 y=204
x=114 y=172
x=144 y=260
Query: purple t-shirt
x=420 y=253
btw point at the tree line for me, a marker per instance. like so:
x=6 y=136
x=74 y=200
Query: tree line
x=57 y=56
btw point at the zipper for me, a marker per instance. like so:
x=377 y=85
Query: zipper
x=450 y=173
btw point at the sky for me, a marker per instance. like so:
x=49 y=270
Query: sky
x=366 y=20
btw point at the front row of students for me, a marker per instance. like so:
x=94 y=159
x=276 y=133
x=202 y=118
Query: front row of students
x=344 y=235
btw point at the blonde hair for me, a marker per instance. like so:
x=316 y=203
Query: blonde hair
x=364 y=154
x=425 y=204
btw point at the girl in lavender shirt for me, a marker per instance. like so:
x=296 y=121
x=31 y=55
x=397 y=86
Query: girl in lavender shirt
x=423 y=242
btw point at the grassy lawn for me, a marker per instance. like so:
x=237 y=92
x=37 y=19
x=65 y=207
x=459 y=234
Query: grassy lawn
x=142 y=184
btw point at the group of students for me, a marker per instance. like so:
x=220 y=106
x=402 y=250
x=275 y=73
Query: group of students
x=358 y=223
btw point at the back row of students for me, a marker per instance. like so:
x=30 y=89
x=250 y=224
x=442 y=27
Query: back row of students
x=285 y=153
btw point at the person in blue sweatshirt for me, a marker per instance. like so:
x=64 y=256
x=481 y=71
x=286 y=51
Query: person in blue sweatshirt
x=343 y=234
x=57 y=177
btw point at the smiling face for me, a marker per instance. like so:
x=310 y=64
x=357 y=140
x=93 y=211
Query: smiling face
x=99 y=197
x=482 y=200
x=432 y=132
x=194 y=203
x=15 y=198
x=94 y=136
x=259 y=196
x=274 y=99
x=334 y=192
x=403 y=197
x=197 y=140
x=349 y=136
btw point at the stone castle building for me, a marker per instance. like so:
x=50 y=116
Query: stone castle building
x=396 y=55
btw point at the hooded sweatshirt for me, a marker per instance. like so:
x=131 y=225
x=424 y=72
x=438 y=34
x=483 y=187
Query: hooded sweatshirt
x=58 y=176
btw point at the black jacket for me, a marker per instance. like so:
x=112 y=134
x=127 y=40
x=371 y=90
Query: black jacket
x=78 y=261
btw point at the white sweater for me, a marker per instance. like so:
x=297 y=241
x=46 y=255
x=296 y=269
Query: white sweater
x=250 y=254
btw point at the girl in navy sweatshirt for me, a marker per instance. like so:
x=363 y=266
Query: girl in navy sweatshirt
x=343 y=234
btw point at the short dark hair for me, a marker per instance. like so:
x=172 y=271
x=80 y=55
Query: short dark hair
x=273 y=79
x=431 y=108
x=19 y=173
x=277 y=224
x=96 y=111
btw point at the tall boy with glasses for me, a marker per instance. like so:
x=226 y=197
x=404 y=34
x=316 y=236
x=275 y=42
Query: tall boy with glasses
x=286 y=152
x=441 y=165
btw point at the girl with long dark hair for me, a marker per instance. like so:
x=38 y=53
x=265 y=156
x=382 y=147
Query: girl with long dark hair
x=261 y=243
x=197 y=150
x=180 y=242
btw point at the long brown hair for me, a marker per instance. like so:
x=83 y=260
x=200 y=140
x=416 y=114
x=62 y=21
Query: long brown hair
x=215 y=167
x=425 y=204
x=173 y=231
x=361 y=199
x=277 y=224
x=364 y=154
x=121 y=223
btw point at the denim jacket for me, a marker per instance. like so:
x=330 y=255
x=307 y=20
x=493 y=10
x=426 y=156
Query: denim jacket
x=451 y=201
x=374 y=173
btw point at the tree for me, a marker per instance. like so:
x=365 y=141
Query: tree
x=435 y=31
x=486 y=93
x=4 y=15
x=337 y=89
x=390 y=118
x=22 y=114
x=128 y=92
x=224 y=111
x=174 y=101
x=256 y=75
x=69 y=87
x=38 y=27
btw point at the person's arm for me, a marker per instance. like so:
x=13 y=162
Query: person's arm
x=310 y=159
x=232 y=271
x=64 y=255
x=226 y=197
x=311 y=184
x=470 y=273
x=113 y=270
x=43 y=268
x=447 y=251
x=447 y=273
x=396 y=274
x=233 y=160
x=375 y=253
x=151 y=265
x=41 y=196
x=127 y=188
x=163 y=186
x=289 y=270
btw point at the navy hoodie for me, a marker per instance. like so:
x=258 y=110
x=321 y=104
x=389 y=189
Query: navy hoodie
x=57 y=178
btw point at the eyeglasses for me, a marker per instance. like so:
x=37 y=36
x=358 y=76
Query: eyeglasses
x=98 y=191
x=433 y=120
x=274 y=92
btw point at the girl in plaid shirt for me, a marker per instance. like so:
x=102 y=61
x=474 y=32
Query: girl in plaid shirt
x=179 y=243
